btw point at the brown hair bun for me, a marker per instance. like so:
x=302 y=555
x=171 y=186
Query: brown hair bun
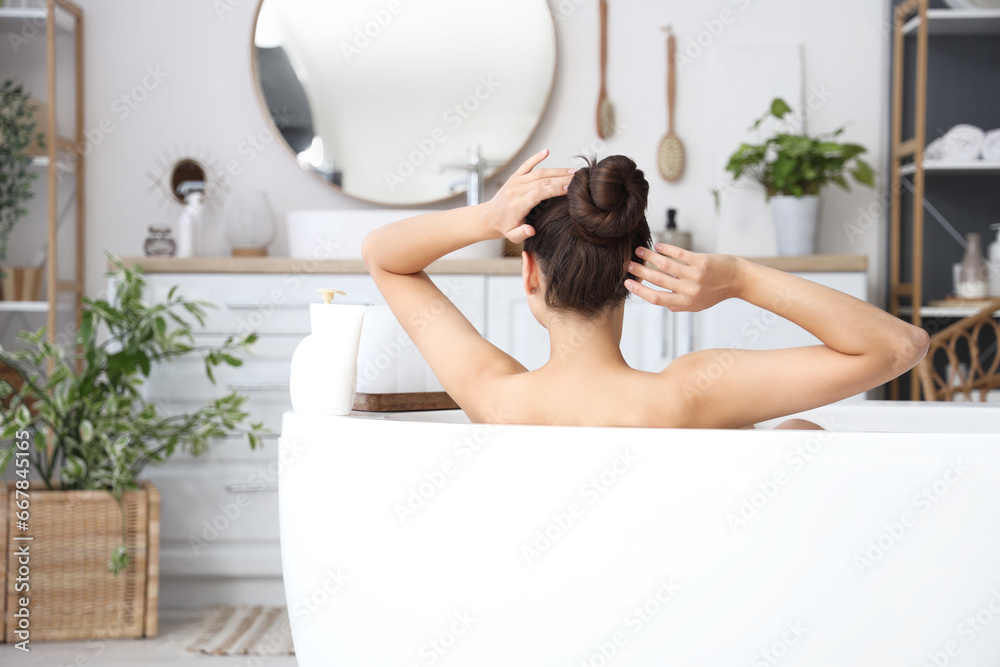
x=607 y=200
x=584 y=241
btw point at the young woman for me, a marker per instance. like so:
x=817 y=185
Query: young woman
x=585 y=243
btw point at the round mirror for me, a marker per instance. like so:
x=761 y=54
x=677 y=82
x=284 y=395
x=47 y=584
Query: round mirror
x=385 y=99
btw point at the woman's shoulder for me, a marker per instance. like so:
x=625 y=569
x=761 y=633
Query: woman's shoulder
x=634 y=398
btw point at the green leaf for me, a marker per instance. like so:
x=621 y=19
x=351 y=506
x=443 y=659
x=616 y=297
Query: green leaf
x=86 y=431
x=232 y=361
x=847 y=151
x=863 y=173
x=119 y=561
x=779 y=108
x=143 y=362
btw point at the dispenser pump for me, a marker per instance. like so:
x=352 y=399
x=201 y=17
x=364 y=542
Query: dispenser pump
x=671 y=235
x=671 y=218
x=328 y=294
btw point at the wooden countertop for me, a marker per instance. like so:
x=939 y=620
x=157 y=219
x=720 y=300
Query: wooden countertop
x=500 y=266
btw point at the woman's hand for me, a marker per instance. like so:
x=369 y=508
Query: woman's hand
x=696 y=280
x=523 y=191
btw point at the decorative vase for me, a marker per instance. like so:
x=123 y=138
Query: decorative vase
x=250 y=225
x=973 y=282
x=795 y=222
x=324 y=372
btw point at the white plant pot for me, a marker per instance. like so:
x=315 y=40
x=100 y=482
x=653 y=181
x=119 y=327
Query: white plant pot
x=795 y=223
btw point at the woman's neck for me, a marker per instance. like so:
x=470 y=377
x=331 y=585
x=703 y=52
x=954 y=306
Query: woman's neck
x=581 y=343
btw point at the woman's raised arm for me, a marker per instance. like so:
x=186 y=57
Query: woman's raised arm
x=863 y=346
x=397 y=254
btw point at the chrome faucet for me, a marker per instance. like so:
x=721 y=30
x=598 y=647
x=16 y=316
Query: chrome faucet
x=475 y=167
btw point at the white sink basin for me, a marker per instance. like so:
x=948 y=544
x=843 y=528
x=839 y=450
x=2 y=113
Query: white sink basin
x=337 y=234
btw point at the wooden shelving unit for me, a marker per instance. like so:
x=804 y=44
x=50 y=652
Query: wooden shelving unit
x=913 y=19
x=63 y=156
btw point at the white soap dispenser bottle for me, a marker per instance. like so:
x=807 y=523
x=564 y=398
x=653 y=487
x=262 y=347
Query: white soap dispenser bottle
x=189 y=225
x=994 y=263
x=324 y=372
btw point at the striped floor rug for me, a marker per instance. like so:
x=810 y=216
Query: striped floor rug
x=242 y=630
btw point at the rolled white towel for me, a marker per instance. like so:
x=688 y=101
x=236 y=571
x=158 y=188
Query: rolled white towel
x=934 y=151
x=962 y=143
x=991 y=146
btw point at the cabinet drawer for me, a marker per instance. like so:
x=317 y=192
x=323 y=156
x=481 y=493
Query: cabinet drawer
x=265 y=365
x=265 y=303
x=279 y=304
x=213 y=502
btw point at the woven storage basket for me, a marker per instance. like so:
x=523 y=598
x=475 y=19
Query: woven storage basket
x=72 y=595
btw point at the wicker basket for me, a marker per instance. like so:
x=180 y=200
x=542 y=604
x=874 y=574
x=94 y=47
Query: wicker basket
x=72 y=595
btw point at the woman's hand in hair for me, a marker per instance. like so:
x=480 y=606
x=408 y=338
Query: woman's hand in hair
x=524 y=190
x=695 y=280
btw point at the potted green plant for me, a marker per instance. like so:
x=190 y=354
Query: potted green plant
x=17 y=133
x=793 y=168
x=91 y=432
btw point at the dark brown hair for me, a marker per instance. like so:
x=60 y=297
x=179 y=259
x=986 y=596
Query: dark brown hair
x=584 y=240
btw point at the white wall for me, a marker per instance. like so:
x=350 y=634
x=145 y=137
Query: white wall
x=205 y=107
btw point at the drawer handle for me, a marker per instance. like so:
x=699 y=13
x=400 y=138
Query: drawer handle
x=255 y=305
x=251 y=488
x=256 y=386
x=287 y=305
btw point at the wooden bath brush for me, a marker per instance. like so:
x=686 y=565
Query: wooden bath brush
x=671 y=155
x=605 y=111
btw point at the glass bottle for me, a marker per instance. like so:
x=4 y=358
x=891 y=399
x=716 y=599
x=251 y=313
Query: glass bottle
x=250 y=225
x=972 y=278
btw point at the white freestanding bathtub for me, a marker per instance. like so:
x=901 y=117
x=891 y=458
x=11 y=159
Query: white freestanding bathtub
x=419 y=539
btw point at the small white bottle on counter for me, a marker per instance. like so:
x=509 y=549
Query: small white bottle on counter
x=189 y=225
x=324 y=372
